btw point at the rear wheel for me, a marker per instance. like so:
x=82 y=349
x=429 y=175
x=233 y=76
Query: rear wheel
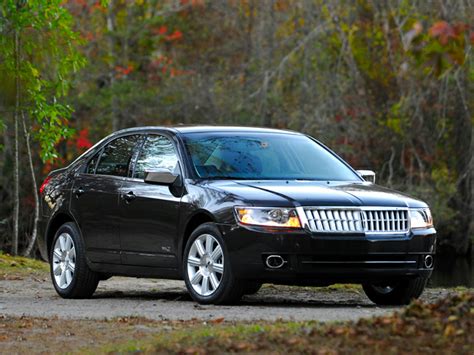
x=70 y=274
x=395 y=293
x=207 y=270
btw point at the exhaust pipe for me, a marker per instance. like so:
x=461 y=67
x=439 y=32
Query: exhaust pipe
x=428 y=261
x=275 y=261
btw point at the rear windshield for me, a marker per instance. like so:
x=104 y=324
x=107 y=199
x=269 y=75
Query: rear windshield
x=270 y=156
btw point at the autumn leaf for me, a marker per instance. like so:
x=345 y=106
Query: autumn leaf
x=176 y=35
x=217 y=320
x=449 y=330
x=443 y=31
x=162 y=30
x=83 y=141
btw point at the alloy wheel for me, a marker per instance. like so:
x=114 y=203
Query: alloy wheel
x=64 y=260
x=205 y=264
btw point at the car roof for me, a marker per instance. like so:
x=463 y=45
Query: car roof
x=205 y=129
x=183 y=129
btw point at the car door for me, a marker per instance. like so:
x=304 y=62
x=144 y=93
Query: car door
x=149 y=212
x=95 y=200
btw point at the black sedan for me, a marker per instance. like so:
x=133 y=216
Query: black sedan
x=227 y=209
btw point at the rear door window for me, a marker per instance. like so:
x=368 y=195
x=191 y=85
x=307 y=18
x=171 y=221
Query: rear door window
x=116 y=157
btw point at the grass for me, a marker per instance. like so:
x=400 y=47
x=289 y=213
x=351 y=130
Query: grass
x=444 y=327
x=12 y=267
x=196 y=338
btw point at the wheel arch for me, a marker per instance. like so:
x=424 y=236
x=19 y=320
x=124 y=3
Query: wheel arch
x=198 y=218
x=57 y=221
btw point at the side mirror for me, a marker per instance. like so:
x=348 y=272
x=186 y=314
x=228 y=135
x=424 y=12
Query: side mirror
x=367 y=175
x=161 y=176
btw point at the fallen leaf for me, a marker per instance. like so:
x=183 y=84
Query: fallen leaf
x=217 y=320
x=449 y=330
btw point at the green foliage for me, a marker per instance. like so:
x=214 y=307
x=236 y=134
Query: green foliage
x=48 y=56
x=395 y=118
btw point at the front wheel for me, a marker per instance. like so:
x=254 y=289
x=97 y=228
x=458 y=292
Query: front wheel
x=70 y=273
x=252 y=287
x=395 y=293
x=207 y=269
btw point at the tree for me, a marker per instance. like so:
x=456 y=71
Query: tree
x=38 y=52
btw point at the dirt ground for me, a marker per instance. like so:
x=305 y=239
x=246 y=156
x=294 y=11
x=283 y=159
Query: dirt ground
x=34 y=319
x=165 y=299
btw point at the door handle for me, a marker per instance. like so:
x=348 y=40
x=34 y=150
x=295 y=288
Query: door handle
x=129 y=196
x=78 y=192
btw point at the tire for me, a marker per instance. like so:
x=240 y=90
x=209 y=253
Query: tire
x=207 y=265
x=398 y=293
x=70 y=273
x=252 y=287
x=104 y=277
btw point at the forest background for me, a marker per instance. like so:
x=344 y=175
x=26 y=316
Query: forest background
x=386 y=84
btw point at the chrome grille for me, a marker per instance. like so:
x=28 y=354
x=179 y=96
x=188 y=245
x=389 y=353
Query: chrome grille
x=357 y=220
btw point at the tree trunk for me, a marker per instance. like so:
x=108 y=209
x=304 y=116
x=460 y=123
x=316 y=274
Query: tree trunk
x=111 y=43
x=248 y=28
x=34 y=233
x=268 y=35
x=463 y=142
x=16 y=159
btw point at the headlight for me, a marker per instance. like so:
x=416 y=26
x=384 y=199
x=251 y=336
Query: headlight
x=421 y=218
x=270 y=217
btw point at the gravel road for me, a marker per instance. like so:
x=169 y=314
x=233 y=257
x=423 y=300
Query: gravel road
x=164 y=299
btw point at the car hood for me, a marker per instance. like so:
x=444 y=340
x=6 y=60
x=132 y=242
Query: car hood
x=314 y=193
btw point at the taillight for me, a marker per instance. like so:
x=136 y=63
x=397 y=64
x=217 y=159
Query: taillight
x=43 y=185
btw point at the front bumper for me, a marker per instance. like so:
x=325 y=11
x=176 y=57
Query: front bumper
x=313 y=259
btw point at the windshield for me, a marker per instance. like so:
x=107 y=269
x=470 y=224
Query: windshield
x=257 y=156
